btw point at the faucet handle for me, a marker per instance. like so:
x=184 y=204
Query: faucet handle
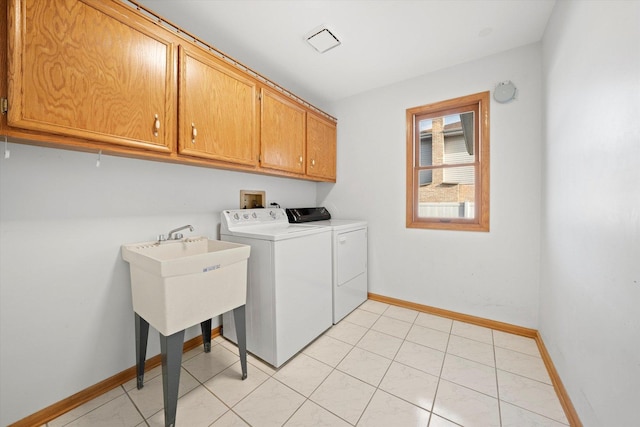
x=161 y=237
x=178 y=236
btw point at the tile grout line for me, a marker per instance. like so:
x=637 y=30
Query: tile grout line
x=354 y=346
x=100 y=406
x=449 y=333
x=495 y=362
x=435 y=394
x=136 y=406
x=306 y=398
x=433 y=402
x=229 y=408
x=333 y=369
x=376 y=388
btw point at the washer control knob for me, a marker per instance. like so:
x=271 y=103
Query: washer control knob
x=236 y=216
x=273 y=214
x=245 y=216
x=254 y=215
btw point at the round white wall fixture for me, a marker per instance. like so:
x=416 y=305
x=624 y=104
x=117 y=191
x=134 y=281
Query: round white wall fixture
x=504 y=92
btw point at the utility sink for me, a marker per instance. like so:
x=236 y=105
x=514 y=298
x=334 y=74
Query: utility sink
x=178 y=284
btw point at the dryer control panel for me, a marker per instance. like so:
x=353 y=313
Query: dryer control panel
x=298 y=215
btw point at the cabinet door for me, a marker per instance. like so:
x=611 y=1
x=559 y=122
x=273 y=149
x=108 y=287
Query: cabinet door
x=282 y=133
x=321 y=147
x=217 y=110
x=83 y=69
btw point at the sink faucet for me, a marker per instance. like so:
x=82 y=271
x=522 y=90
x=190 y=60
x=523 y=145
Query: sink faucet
x=173 y=234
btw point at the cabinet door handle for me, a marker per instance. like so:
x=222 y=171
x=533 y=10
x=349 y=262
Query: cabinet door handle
x=194 y=133
x=313 y=162
x=300 y=159
x=156 y=126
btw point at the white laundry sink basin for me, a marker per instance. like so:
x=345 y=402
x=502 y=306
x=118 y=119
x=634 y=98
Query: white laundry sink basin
x=176 y=285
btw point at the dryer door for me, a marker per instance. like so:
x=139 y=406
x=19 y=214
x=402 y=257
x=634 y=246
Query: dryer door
x=351 y=255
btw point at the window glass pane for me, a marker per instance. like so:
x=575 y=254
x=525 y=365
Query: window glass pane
x=426 y=153
x=425 y=176
x=447 y=193
x=447 y=140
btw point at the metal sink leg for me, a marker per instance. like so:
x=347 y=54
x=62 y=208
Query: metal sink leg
x=142 y=333
x=241 y=334
x=171 y=351
x=206 y=335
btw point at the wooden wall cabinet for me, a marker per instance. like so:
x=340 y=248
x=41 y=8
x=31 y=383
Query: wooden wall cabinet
x=79 y=69
x=217 y=110
x=282 y=133
x=321 y=147
x=97 y=75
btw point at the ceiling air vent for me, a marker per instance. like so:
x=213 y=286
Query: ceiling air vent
x=322 y=39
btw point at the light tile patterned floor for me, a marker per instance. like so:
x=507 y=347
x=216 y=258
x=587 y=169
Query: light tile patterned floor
x=381 y=366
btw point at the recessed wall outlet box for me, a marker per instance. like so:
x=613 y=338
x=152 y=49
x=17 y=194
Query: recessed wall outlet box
x=250 y=199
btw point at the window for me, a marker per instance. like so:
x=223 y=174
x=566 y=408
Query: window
x=448 y=164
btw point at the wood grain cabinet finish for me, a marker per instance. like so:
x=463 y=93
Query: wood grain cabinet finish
x=95 y=75
x=321 y=147
x=282 y=133
x=82 y=69
x=217 y=110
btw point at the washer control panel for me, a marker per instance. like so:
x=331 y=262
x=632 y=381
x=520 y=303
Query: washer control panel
x=235 y=218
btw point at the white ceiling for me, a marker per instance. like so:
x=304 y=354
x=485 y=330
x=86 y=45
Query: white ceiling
x=383 y=41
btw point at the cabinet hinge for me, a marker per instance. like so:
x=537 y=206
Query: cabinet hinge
x=4 y=105
x=259 y=97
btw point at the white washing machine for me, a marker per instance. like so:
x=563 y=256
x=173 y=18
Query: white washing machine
x=289 y=282
x=349 y=257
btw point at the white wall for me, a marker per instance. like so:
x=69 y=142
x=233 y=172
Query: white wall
x=493 y=275
x=65 y=307
x=590 y=277
x=65 y=302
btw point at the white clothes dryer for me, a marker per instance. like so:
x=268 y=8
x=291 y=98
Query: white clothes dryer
x=349 y=257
